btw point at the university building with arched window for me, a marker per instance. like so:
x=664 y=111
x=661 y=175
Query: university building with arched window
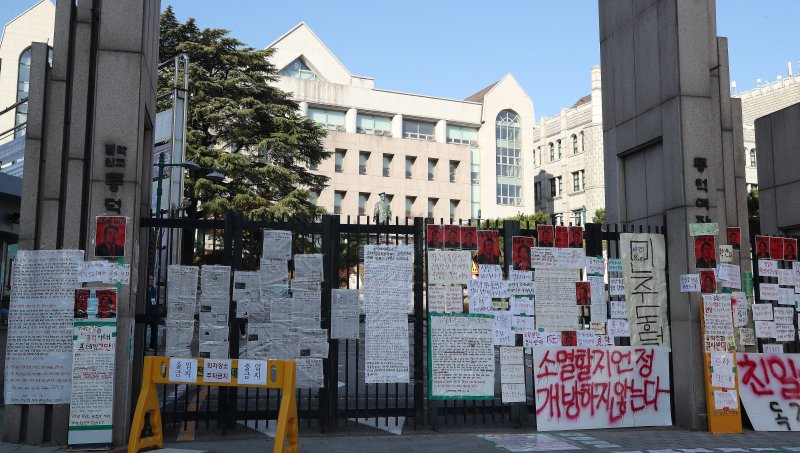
x=432 y=156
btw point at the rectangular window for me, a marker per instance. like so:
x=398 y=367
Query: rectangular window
x=558 y=181
x=363 y=159
x=363 y=199
x=552 y=187
x=577 y=217
x=537 y=189
x=558 y=145
x=330 y=119
x=453 y=170
x=338 y=198
x=314 y=166
x=387 y=164
x=313 y=197
x=462 y=135
x=432 y=168
x=410 y=206
x=453 y=210
x=418 y=130
x=574 y=144
x=339 y=163
x=374 y=125
x=432 y=206
x=577 y=181
x=410 y=167
x=752 y=157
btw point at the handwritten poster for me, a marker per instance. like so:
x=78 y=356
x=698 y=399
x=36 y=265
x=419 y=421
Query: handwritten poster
x=554 y=288
x=449 y=267
x=91 y=407
x=512 y=375
x=344 y=314
x=643 y=257
x=446 y=298
x=93 y=271
x=768 y=387
x=690 y=283
x=557 y=258
x=388 y=278
x=618 y=373
x=40 y=326
x=461 y=356
x=717 y=315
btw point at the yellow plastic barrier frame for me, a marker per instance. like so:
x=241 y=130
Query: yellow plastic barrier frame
x=280 y=374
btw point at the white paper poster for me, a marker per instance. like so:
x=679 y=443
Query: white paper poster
x=449 y=267
x=768 y=387
x=277 y=245
x=717 y=315
x=616 y=286
x=643 y=259
x=182 y=370
x=690 y=283
x=388 y=277
x=557 y=258
x=344 y=314
x=40 y=326
x=642 y=370
x=91 y=409
x=461 y=356
x=512 y=375
x=217 y=370
x=251 y=372
x=93 y=271
x=554 y=288
x=446 y=298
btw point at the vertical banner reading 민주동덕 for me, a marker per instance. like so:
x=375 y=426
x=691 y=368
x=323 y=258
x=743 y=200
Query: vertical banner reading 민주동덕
x=94 y=341
x=460 y=356
x=643 y=262
x=388 y=272
x=630 y=387
x=39 y=349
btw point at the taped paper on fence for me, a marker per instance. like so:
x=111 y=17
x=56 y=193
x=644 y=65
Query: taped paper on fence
x=461 y=356
x=617 y=373
x=643 y=258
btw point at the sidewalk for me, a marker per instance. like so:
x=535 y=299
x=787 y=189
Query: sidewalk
x=653 y=440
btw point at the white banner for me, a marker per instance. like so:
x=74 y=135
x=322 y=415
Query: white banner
x=770 y=390
x=461 y=356
x=614 y=387
x=643 y=260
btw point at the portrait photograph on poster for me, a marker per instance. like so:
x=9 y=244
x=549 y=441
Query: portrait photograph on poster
x=545 y=235
x=762 y=247
x=776 y=248
x=705 y=252
x=488 y=247
x=521 y=248
x=583 y=293
x=576 y=237
x=562 y=237
x=434 y=237
x=452 y=237
x=789 y=249
x=110 y=238
x=735 y=237
x=469 y=236
x=708 y=282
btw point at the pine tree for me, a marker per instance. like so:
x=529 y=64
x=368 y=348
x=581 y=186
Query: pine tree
x=241 y=126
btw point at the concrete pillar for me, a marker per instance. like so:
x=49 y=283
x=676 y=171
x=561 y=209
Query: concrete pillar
x=350 y=120
x=397 y=126
x=597 y=96
x=441 y=131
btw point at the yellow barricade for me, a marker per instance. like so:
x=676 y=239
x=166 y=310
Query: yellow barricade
x=280 y=374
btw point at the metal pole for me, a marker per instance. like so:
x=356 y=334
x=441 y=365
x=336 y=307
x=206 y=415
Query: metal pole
x=157 y=229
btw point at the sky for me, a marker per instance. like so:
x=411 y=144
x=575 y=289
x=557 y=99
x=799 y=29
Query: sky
x=453 y=48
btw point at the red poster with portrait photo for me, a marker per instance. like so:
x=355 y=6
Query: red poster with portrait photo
x=576 y=237
x=110 y=238
x=545 y=235
x=488 y=247
x=569 y=338
x=776 y=248
x=562 y=237
x=705 y=252
x=735 y=237
x=583 y=293
x=435 y=237
x=762 y=247
x=789 y=249
x=106 y=303
x=452 y=237
x=521 y=249
x=708 y=282
x=469 y=238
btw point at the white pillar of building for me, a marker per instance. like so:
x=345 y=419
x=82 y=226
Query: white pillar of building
x=350 y=120
x=397 y=126
x=441 y=131
x=304 y=108
x=597 y=103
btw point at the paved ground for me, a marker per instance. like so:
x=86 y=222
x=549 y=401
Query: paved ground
x=623 y=440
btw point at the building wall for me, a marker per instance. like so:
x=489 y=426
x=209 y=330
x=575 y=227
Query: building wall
x=585 y=118
x=34 y=25
x=759 y=102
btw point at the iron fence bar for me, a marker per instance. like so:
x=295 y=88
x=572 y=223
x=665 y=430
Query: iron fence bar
x=419 y=324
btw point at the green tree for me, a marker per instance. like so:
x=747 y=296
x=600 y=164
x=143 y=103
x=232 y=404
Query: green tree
x=241 y=126
x=599 y=216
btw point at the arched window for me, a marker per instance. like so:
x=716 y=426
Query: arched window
x=23 y=84
x=552 y=152
x=558 y=145
x=752 y=157
x=509 y=143
x=574 y=144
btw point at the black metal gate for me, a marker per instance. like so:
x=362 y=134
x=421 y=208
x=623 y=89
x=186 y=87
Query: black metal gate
x=345 y=400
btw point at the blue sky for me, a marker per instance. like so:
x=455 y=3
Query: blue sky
x=453 y=48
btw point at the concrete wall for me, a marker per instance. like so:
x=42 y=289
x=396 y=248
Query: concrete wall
x=778 y=144
x=666 y=104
